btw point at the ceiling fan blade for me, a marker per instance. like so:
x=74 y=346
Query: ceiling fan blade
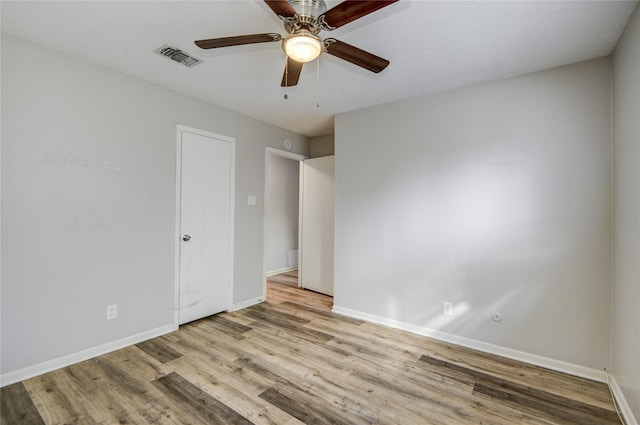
x=214 y=43
x=281 y=8
x=354 y=55
x=350 y=10
x=291 y=73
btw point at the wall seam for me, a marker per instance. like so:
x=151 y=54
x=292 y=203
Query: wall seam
x=612 y=237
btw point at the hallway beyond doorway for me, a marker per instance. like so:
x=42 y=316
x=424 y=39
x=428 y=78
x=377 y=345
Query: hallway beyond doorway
x=283 y=287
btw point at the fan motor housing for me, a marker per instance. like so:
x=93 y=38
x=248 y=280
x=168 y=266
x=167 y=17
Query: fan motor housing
x=312 y=8
x=306 y=17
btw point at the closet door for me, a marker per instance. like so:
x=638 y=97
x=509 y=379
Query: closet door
x=317 y=224
x=206 y=187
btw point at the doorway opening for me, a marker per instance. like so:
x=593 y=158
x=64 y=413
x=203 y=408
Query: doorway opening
x=290 y=276
x=281 y=218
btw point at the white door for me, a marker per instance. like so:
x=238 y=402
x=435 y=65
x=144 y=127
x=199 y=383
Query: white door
x=317 y=224
x=205 y=224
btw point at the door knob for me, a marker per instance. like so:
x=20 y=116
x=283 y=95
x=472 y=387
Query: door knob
x=186 y=238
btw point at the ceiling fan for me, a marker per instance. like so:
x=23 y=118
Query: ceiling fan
x=303 y=21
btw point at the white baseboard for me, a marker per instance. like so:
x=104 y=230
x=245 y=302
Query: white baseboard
x=64 y=361
x=560 y=366
x=621 y=401
x=245 y=304
x=286 y=269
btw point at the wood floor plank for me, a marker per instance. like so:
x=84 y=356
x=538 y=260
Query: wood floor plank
x=302 y=297
x=237 y=388
x=589 y=392
x=286 y=323
x=71 y=395
x=291 y=361
x=17 y=407
x=445 y=405
x=237 y=317
x=305 y=410
x=54 y=404
x=567 y=409
x=284 y=280
x=208 y=408
x=311 y=350
x=263 y=312
x=312 y=313
x=229 y=327
x=199 y=337
x=279 y=293
x=159 y=350
x=141 y=398
x=554 y=409
x=295 y=360
x=327 y=393
x=334 y=384
x=204 y=367
x=156 y=408
x=135 y=361
x=294 y=331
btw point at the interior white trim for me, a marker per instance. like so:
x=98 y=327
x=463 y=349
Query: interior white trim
x=286 y=269
x=300 y=219
x=176 y=261
x=621 y=401
x=80 y=356
x=247 y=303
x=232 y=183
x=284 y=154
x=557 y=365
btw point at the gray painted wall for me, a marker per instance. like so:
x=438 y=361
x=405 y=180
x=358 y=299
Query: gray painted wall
x=282 y=202
x=626 y=291
x=321 y=146
x=496 y=198
x=88 y=202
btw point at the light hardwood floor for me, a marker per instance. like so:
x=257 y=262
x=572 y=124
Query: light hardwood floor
x=291 y=361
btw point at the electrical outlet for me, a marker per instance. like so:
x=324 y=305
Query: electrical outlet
x=447 y=308
x=112 y=311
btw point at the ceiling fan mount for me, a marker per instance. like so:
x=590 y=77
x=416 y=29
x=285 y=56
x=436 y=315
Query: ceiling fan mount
x=306 y=16
x=303 y=21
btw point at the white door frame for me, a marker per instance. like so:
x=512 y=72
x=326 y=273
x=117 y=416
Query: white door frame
x=309 y=173
x=177 y=235
x=283 y=154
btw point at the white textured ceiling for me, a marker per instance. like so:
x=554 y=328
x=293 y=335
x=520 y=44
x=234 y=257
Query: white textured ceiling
x=432 y=46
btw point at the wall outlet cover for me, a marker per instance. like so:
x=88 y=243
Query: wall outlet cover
x=112 y=311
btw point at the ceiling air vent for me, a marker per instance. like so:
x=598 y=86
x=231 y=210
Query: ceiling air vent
x=178 y=55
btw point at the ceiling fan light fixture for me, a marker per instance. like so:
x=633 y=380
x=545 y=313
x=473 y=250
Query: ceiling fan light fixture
x=302 y=46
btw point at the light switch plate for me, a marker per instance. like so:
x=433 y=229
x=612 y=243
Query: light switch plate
x=251 y=200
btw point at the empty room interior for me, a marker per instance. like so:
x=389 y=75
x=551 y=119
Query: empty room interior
x=319 y=212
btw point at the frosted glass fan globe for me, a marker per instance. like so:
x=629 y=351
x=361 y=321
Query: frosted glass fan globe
x=302 y=46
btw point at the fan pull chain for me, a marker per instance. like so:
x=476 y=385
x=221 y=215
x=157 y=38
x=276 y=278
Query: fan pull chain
x=286 y=75
x=318 y=82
